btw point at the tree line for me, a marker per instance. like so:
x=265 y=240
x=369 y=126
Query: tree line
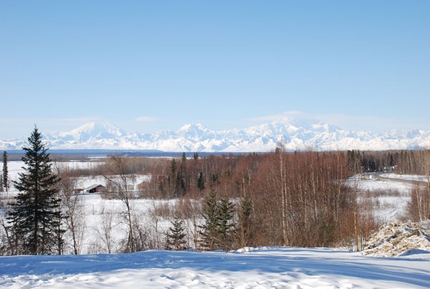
x=398 y=161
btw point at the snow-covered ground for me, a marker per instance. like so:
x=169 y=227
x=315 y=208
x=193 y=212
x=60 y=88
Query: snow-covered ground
x=390 y=207
x=256 y=268
x=407 y=177
x=273 y=267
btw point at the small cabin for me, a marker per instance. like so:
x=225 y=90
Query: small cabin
x=96 y=188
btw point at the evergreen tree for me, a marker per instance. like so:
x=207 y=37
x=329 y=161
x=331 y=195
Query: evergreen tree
x=209 y=229
x=225 y=224
x=175 y=236
x=216 y=232
x=244 y=234
x=196 y=156
x=1 y=183
x=200 y=181
x=35 y=217
x=5 y=176
x=182 y=176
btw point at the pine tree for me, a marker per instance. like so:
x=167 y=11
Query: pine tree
x=225 y=224
x=200 y=181
x=244 y=234
x=35 y=217
x=216 y=232
x=209 y=229
x=175 y=235
x=1 y=183
x=196 y=156
x=5 y=176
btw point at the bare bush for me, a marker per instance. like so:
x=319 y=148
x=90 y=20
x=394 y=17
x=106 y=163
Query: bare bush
x=187 y=208
x=161 y=210
x=104 y=233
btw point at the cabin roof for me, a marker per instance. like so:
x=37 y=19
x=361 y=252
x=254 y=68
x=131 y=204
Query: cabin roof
x=94 y=186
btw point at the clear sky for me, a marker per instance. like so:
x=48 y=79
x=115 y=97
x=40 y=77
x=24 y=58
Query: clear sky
x=157 y=65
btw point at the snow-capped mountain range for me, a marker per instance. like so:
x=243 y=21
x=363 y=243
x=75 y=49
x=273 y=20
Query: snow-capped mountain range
x=294 y=134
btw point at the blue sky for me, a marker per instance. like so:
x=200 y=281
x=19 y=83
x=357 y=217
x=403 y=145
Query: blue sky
x=155 y=65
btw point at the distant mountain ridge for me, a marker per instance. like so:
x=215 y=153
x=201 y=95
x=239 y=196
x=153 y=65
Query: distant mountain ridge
x=294 y=134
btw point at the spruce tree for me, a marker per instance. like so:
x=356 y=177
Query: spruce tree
x=216 y=231
x=175 y=236
x=209 y=229
x=35 y=216
x=5 y=176
x=1 y=183
x=200 y=181
x=244 y=234
x=226 y=226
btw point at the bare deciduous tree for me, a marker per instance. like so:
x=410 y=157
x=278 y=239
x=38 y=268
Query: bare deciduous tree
x=121 y=181
x=73 y=206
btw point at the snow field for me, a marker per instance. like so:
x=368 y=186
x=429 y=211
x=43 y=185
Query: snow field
x=272 y=267
x=387 y=208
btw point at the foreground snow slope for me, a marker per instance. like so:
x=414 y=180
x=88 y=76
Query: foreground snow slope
x=257 y=268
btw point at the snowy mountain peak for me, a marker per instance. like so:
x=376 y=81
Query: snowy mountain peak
x=95 y=130
x=193 y=127
x=194 y=131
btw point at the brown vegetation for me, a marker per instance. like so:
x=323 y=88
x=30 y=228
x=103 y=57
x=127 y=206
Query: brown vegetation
x=419 y=205
x=297 y=199
x=277 y=198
